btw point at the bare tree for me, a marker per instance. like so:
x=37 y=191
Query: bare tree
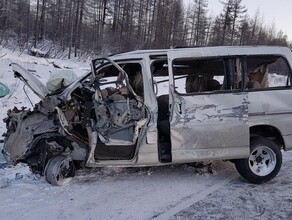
x=254 y=23
x=245 y=33
x=201 y=22
x=238 y=11
x=90 y=26
x=226 y=19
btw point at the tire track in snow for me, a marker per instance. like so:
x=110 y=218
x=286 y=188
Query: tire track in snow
x=193 y=199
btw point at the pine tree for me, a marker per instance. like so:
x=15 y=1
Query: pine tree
x=201 y=22
x=238 y=11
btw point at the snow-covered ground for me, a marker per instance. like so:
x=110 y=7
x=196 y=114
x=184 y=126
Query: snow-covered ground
x=214 y=191
x=171 y=192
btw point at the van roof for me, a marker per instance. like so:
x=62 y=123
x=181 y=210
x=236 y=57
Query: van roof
x=206 y=51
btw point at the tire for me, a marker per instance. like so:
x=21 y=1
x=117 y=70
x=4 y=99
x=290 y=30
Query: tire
x=59 y=170
x=263 y=163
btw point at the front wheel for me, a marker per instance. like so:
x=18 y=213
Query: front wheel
x=263 y=163
x=59 y=170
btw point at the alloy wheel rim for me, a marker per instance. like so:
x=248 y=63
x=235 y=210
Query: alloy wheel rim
x=262 y=161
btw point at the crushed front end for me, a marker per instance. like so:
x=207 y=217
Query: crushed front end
x=95 y=118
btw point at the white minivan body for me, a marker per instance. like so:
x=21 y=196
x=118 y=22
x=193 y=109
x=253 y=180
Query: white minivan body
x=159 y=107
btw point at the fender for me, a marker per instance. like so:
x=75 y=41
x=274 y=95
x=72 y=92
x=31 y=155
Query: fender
x=21 y=131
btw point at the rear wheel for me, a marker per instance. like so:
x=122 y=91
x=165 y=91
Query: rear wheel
x=263 y=163
x=59 y=170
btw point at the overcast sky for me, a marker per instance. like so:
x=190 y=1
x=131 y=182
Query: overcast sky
x=277 y=11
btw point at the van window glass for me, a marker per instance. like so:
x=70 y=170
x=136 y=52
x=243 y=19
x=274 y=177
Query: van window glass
x=203 y=75
x=267 y=72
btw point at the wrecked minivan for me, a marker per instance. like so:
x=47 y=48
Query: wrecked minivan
x=160 y=107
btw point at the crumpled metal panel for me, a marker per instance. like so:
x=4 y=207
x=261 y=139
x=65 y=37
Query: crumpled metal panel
x=22 y=127
x=211 y=126
x=31 y=81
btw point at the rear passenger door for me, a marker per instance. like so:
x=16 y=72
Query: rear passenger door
x=209 y=110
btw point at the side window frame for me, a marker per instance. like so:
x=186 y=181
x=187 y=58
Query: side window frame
x=156 y=66
x=229 y=76
x=119 y=65
x=288 y=83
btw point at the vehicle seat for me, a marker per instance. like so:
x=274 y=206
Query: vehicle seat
x=212 y=84
x=195 y=84
x=253 y=85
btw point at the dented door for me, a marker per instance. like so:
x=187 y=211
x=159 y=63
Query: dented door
x=207 y=125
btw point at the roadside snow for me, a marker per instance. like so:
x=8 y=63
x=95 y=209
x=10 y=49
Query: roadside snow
x=10 y=174
x=242 y=200
x=128 y=193
x=170 y=192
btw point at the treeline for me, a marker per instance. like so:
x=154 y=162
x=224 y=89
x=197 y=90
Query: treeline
x=96 y=27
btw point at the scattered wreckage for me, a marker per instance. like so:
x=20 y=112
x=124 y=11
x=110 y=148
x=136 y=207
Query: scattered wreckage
x=158 y=107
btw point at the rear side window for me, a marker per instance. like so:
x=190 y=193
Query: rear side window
x=266 y=72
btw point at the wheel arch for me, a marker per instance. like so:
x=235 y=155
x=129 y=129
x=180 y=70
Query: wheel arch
x=38 y=154
x=270 y=132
